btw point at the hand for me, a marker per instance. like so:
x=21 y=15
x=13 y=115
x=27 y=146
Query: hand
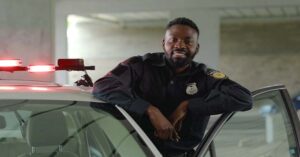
x=163 y=128
x=179 y=115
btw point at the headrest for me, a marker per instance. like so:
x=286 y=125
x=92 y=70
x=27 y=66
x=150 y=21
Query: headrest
x=2 y=122
x=46 y=129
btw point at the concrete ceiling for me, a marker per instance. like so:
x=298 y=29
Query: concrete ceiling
x=225 y=13
x=100 y=6
x=139 y=11
x=257 y=12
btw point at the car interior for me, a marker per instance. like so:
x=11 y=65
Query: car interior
x=60 y=128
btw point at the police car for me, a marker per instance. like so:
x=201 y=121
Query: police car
x=49 y=119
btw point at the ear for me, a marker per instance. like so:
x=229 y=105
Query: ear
x=197 y=48
x=163 y=44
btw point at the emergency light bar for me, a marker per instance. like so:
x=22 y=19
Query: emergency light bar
x=10 y=63
x=73 y=65
x=41 y=68
x=63 y=64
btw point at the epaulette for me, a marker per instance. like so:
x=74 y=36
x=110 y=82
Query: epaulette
x=216 y=74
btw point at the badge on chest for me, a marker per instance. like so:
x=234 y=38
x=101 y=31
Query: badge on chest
x=191 y=88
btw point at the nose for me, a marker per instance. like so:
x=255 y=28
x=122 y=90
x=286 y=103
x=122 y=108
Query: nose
x=180 y=44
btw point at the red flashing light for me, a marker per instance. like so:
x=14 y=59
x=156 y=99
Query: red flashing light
x=7 y=88
x=39 y=88
x=41 y=68
x=10 y=63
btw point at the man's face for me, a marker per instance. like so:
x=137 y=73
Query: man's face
x=180 y=45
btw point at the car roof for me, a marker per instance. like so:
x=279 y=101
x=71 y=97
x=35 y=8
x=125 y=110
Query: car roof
x=38 y=90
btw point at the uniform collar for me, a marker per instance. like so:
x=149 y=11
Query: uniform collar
x=193 y=69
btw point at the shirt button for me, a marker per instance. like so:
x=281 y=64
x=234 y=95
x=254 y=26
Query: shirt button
x=172 y=82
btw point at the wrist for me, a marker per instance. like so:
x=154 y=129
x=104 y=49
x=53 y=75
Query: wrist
x=185 y=105
x=150 y=110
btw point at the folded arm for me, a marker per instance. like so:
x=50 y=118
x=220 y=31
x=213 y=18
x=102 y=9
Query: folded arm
x=225 y=96
x=117 y=87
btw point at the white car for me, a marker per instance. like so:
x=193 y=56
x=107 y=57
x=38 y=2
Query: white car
x=48 y=119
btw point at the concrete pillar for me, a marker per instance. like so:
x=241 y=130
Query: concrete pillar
x=61 y=46
x=208 y=21
x=26 y=29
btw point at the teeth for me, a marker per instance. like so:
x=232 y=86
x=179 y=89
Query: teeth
x=179 y=55
x=179 y=52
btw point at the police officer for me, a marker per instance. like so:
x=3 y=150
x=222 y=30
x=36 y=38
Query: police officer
x=169 y=94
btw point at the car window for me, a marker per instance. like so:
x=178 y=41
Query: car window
x=121 y=140
x=265 y=130
x=66 y=128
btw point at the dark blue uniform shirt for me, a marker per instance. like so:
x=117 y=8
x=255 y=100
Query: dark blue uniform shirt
x=143 y=80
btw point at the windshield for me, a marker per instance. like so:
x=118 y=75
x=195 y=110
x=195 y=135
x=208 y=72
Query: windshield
x=66 y=128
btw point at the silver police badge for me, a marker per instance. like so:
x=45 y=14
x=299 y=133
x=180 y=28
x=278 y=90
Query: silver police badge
x=191 y=89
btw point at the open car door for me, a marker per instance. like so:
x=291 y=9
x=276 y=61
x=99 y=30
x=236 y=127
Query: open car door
x=270 y=129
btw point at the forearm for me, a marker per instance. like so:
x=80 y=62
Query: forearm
x=117 y=87
x=226 y=98
x=114 y=94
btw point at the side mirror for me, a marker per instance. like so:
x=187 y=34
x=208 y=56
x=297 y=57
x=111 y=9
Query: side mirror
x=2 y=122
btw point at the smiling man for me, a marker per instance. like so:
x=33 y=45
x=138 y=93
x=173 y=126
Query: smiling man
x=169 y=94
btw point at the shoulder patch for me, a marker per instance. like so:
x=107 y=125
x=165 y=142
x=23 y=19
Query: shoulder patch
x=216 y=74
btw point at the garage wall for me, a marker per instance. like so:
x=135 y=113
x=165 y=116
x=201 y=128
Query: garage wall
x=269 y=52
x=105 y=45
x=26 y=34
x=261 y=54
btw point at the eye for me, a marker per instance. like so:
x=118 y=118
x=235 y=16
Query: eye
x=172 y=40
x=189 y=41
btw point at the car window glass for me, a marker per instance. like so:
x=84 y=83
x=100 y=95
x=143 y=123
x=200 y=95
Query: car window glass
x=263 y=131
x=70 y=122
x=122 y=140
x=48 y=127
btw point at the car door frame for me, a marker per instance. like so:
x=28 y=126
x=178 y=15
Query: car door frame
x=207 y=145
x=140 y=132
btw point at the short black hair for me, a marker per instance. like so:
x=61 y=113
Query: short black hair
x=183 y=21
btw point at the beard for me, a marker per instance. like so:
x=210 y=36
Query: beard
x=179 y=58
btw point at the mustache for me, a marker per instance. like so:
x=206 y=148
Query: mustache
x=181 y=50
